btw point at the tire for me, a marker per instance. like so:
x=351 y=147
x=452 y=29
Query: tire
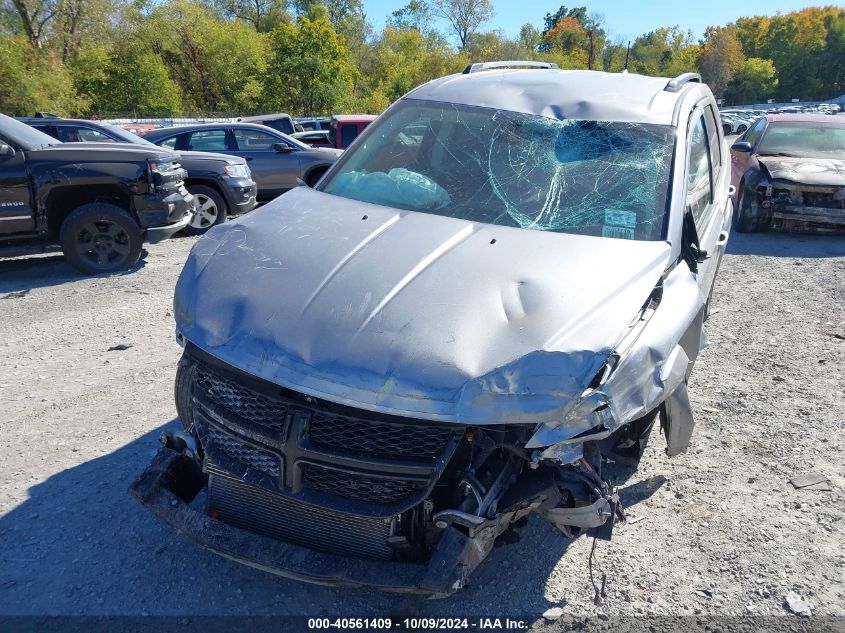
x=743 y=223
x=315 y=176
x=183 y=392
x=100 y=238
x=212 y=210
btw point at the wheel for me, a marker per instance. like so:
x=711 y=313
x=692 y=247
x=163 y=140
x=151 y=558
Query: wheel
x=314 y=176
x=743 y=223
x=211 y=210
x=99 y=238
x=183 y=390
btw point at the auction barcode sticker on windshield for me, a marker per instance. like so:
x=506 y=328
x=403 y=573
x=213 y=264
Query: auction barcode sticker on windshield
x=619 y=224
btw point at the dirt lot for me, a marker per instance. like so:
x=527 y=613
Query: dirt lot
x=718 y=531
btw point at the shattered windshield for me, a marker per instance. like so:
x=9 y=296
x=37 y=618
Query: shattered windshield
x=499 y=167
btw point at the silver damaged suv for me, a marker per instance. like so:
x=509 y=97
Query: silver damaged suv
x=483 y=307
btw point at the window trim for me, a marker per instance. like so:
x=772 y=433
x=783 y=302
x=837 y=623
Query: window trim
x=710 y=120
x=186 y=136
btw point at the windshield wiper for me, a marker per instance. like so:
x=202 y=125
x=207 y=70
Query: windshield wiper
x=778 y=154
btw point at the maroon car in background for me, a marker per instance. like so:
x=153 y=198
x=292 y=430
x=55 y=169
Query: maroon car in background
x=789 y=174
x=345 y=128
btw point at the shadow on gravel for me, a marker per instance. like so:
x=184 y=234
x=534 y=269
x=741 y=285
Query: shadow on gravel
x=39 y=271
x=80 y=545
x=786 y=245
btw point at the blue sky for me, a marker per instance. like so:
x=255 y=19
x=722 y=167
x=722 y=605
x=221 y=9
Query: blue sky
x=623 y=18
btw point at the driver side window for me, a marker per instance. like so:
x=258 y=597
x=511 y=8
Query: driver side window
x=755 y=132
x=699 y=180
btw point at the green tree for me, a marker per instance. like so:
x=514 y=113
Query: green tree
x=530 y=38
x=31 y=81
x=219 y=65
x=755 y=81
x=416 y=15
x=310 y=72
x=667 y=51
x=721 y=57
x=464 y=16
x=263 y=15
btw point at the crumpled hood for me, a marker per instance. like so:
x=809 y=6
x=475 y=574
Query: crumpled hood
x=809 y=171
x=411 y=313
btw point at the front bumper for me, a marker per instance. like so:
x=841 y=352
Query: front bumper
x=174 y=479
x=241 y=195
x=162 y=216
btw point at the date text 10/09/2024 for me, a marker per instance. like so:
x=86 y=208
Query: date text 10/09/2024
x=425 y=624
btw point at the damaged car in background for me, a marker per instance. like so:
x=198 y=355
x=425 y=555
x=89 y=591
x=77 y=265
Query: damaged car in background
x=497 y=289
x=789 y=174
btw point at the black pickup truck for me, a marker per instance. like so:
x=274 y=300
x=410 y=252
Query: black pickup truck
x=221 y=183
x=96 y=202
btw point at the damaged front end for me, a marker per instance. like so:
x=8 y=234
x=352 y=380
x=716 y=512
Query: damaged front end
x=318 y=492
x=383 y=376
x=332 y=494
x=798 y=196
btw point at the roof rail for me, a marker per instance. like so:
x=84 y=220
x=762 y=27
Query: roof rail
x=478 y=67
x=681 y=80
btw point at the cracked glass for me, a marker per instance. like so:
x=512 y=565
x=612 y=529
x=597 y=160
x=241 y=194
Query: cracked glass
x=601 y=178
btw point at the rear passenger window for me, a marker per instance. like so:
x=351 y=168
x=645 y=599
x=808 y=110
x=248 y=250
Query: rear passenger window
x=699 y=184
x=250 y=140
x=207 y=141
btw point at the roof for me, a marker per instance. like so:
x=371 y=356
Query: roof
x=353 y=118
x=266 y=117
x=179 y=129
x=560 y=94
x=806 y=118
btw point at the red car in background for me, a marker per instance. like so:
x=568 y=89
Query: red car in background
x=789 y=174
x=345 y=128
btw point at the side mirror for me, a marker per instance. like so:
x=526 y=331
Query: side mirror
x=741 y=146
x=282 y=148
x=6 y=150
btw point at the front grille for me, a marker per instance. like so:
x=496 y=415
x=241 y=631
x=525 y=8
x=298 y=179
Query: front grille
x=357 y=486
x=378 y=439
x=307 y=471
x=241 y=451
x=250 y=405
x=252 y=508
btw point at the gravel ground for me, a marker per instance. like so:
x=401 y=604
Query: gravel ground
x=719 y=531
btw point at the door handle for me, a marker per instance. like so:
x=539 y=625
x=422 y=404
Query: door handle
x=723 y=238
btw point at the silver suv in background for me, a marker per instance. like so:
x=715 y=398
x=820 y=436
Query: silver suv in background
x=277 y=161
x=495 y=293
x=222 y=184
